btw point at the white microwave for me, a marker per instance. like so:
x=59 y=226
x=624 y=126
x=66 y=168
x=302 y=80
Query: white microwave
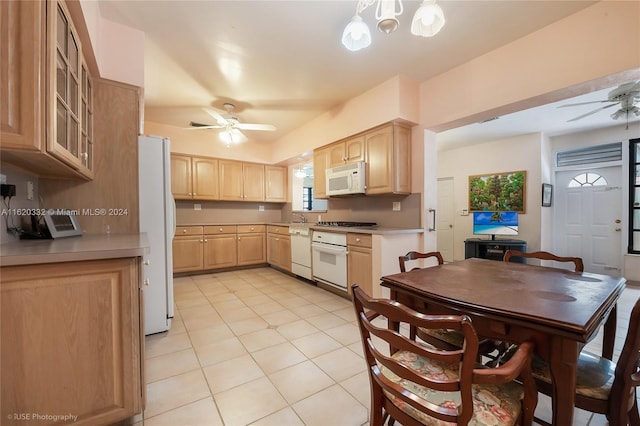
x=346 y=180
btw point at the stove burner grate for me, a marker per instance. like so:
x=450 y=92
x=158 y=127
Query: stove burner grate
x=347 y=224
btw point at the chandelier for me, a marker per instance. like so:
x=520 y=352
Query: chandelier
x=427 y=21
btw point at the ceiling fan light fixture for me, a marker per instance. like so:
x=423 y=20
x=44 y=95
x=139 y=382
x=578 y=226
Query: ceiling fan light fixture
x=356 y=34
x=428 y=19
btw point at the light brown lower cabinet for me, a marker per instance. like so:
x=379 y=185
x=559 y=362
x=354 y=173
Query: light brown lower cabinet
x=279 y=247
x=359 y=262
x=72 y=342
x=252 y=244
x=221 y=248
x=188 y=249
x=201 y=248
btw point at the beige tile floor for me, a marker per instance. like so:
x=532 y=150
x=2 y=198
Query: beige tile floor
x=259 y=347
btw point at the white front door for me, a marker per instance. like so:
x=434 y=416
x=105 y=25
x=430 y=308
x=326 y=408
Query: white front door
x=444 y=219
x=588 y=218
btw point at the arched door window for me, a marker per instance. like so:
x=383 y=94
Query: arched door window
x=587 y=179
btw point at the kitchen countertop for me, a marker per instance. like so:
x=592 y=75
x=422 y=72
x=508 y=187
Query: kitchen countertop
x=373 y=230
x=85 y=247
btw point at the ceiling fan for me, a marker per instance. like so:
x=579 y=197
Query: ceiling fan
x=230 y=124
x=625 y=95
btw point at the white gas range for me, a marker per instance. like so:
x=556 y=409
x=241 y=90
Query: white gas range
x=329 y=254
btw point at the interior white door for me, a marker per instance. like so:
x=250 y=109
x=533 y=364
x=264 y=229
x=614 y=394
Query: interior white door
x=588 y=220
x=444 y=219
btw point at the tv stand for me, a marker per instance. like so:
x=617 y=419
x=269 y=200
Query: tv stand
x=493 y=248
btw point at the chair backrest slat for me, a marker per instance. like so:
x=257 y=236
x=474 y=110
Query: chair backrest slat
x=414 y=255
x=544 y=255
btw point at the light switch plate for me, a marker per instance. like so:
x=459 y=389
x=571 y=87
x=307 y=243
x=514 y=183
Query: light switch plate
x=260 y=208
x=396 y=206
x=197 y=206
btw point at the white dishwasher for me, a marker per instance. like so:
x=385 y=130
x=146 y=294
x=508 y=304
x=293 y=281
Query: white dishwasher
x=301 y=251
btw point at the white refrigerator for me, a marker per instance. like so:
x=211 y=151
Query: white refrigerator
x=157 y=220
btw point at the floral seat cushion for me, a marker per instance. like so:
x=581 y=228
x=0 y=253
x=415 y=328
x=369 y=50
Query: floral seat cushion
x=494 y=405
x=594 y=375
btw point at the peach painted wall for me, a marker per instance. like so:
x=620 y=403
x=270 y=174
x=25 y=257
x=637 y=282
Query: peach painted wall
x=393 y=99
x=555 y=62
x=119 y=50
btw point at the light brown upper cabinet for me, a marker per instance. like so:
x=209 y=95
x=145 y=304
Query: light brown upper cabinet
x=275 y=184
x=347 y=151
x=388 y=153
x=241 y=181
x=320 y=164
x=55 y=137
x=194 y=178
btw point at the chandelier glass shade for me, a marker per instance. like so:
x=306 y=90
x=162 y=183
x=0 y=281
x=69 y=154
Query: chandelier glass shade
x=427 y=21
x=356 y=34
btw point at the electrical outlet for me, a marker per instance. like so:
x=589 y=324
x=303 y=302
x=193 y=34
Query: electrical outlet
x=197 y=206
x=396 y=206
x=260 y=208
x=29 y=190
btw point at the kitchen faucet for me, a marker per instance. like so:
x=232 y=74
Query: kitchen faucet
x=302 y=218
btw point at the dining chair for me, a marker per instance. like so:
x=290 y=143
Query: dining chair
x=544 y=255
x=607 y=348
x=414 y=255
x=443 y=339
x=604 y=386
x=417 y=384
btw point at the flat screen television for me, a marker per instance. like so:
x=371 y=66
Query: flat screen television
x=495 y=223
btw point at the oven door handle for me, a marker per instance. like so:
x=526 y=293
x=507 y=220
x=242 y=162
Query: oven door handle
x=331 y=250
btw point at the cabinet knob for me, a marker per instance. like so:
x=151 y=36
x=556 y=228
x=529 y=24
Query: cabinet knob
x=84 y=156
x=184 y=231
x=357 y=240
x=220 y=230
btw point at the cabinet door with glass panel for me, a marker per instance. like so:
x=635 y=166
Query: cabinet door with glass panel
x=70 y=139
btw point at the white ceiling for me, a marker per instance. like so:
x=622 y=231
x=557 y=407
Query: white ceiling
x=282 y=63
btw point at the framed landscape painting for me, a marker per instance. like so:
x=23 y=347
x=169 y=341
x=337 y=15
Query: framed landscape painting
x=498 y=192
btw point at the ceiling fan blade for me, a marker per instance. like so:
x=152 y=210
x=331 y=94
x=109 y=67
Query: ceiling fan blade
x=592 y=112
x=250 y=126
x=198 y=126
x=582 y=103
x=220 y=119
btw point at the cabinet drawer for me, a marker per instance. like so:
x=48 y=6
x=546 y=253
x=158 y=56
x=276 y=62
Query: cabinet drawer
x=188 y=230
x=245 y=229
x=360 y=240
x=274 y=229
x=220 y=229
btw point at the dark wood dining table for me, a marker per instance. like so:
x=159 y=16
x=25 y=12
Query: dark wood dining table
x=559 y=310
